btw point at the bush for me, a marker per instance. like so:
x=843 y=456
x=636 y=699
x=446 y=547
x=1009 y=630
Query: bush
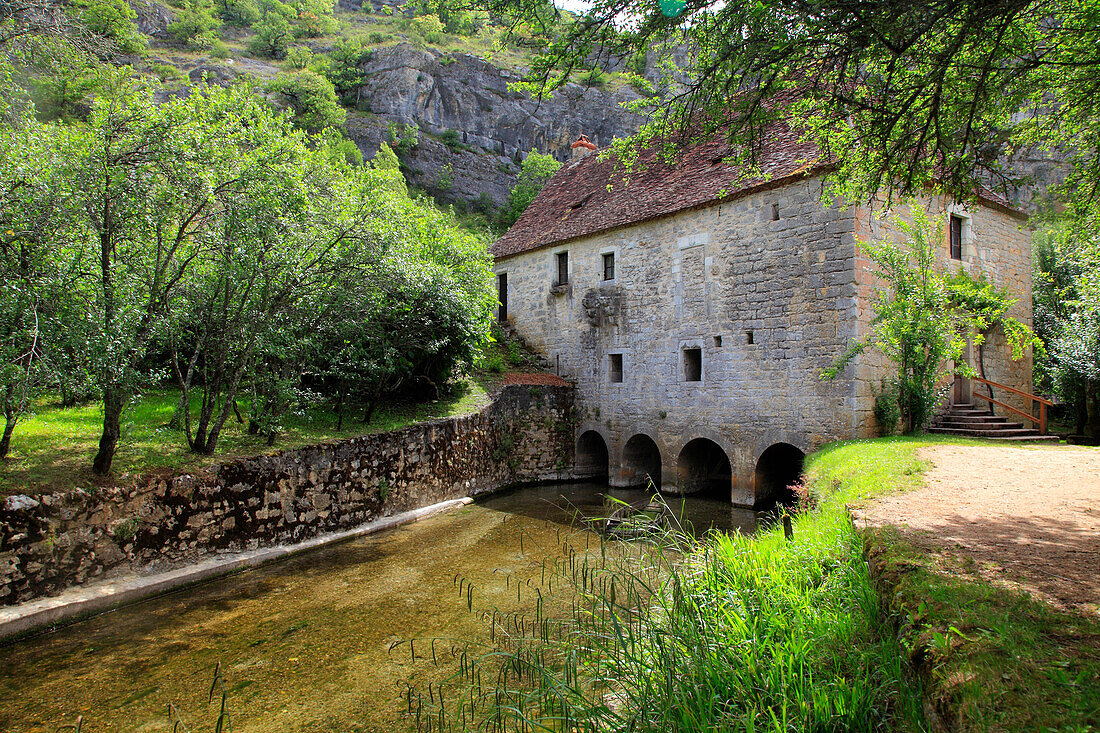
x=451 y=139
x=298 y=58
x=167 y=72
x=196 y=26
x=887 y=411
x=239 y=12
x=114 y=19
x=595 y=78
x=311 y=97
x=272 y=39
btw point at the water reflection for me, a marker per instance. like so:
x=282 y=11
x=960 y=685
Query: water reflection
x=578 y=504
x=307 y=644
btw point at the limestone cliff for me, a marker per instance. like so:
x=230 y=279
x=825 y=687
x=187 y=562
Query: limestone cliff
x=495 y=127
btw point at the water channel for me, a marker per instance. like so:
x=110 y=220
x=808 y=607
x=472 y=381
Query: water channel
x=305 y=644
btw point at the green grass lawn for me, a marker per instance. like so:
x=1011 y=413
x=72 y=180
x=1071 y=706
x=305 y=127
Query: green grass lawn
x=992 y=659
x=52 y=449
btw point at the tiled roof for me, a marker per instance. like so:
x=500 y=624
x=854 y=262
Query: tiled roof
x=577 y=201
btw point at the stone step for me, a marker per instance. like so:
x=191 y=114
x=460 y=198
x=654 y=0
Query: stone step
x=1021 y=434
x=974 y=419
x=980 y=424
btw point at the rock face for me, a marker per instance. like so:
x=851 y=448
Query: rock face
x=53 y=541
x=495 y=127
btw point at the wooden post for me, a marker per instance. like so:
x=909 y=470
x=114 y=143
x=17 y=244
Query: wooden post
x=1043 y=418
x=788 y=530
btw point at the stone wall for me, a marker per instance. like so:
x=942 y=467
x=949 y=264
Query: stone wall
x=53 y=541
x=776 y=265
x=771 y=288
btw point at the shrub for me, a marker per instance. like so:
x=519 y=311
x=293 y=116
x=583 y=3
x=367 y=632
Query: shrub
x=114 y=19
x=195 y=25
x=451 y=139
x=298 y=57
x=167 y=72
x=239 y=12
x=887 y=411
x=595 y=78
x=311 y=97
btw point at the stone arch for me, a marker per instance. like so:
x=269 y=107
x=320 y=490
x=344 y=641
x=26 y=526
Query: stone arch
x=704 y=467
x=778 y=469
x=591 y=457
x=641 y=462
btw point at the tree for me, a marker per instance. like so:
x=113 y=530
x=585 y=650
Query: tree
x=273 y=31
x=147 y=181
x=196 y=25
x=985 y=308
x=536 y=170
x=1067 y=312
x=310 y=96
x=914 y=325
x=342 y=69
x=901 y=95
x=113 y=19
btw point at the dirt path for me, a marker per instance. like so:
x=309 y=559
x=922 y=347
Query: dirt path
x=1029 y=516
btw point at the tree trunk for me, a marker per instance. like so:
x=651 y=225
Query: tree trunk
x=340 y=411
x=372 y=404
x=11 y=417
x=113 y=400
x=981 y=368
x=1092 y=409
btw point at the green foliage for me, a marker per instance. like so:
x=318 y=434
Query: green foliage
x=887 y=410
x=113 y=19
x=1067 y=318
x=313 y=18
x=342 y=69
x=595 y=77
x=537 y=169
x=730 y=633
x=298 y=58
x=273 y=32
x=405 y=138
x=914 y=325
x=903 y=97
x=429 y=27
x=452 y=140
x=239 y=12
x=196 y=25
x=167 y=72
x=311 y=97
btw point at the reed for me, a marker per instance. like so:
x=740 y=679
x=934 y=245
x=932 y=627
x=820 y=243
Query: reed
x=676 y=634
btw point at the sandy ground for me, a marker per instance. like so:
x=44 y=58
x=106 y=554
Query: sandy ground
x=1029 y=516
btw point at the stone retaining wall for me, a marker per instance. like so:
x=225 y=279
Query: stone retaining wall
x=53 y=541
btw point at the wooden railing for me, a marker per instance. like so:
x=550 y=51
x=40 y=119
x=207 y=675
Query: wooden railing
x=1041 y=421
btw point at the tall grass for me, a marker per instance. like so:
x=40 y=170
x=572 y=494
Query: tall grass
x=726 y=633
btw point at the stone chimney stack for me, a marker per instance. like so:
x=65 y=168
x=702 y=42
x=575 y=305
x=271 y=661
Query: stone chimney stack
x=582 y=147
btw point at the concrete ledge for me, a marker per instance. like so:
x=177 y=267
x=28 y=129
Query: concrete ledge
x=105 y=595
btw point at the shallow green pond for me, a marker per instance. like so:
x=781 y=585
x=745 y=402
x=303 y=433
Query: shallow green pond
x=305 y=644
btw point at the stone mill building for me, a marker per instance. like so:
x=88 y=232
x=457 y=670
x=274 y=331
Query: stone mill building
x=695 y=308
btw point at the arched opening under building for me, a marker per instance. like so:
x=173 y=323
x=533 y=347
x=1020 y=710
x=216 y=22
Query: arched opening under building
x=777 y=472
x=704 y=468
x=591 y=459
x=641 y=462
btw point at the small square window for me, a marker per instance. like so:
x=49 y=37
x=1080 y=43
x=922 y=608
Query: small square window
x=775 y=211
x=563 y=268
x=956 y=237
x=615 y=362
x=609 y=266
x=693 y=365
x=749 y=337
x=717 y=342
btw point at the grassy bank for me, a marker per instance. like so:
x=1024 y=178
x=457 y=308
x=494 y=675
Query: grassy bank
x=728 y=633
x=770 y=633
x=52 y=448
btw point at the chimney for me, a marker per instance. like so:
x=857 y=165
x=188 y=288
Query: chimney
x=582 y=147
